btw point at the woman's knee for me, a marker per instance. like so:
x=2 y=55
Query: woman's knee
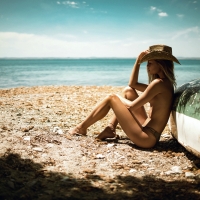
x=112 y=97
x=129 y=93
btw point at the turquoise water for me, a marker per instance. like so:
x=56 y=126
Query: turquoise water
x=115 y=72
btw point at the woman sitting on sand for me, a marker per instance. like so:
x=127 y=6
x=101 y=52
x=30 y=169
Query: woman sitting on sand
x=142 y=129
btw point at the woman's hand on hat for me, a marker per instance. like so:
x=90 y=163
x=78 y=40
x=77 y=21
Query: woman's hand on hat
x=142 y=54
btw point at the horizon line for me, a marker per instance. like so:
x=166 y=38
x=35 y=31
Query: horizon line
x=92 y=57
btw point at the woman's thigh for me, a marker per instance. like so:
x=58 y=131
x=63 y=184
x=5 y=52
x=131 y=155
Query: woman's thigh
x=131 y=94
x=130 y=125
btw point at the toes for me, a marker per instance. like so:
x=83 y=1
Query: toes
x=73 y=131
x=77 y=131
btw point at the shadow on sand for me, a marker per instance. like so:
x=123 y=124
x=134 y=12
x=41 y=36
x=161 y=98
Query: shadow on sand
x=24 y=179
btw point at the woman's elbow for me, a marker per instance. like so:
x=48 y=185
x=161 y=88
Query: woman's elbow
x=132 y=84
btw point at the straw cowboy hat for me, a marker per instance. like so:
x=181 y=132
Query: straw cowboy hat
x=159 y=52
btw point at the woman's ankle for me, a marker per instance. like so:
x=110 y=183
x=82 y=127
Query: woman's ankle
x=81 y=128
x=111 y=125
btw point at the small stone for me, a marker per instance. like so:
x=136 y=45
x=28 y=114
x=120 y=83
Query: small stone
x=57 y=130
x=132 y=170
x=145 y=164
x=65 y=178
x=151 y=168
x=165 y=135
x=50 y=145
x=100 y=156
x=176 y=169
x=110 y=145
x=84 y=158
x=27 y=138
x=38 y=149
x=60 y=131
x=189 y=175
x=169 y=172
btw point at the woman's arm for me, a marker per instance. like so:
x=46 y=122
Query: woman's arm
x=153 y=89
x=133 y=81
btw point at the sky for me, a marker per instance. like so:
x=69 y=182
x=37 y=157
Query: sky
x=98 y=28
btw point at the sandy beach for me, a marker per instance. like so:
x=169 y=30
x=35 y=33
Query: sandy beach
x=39 y=160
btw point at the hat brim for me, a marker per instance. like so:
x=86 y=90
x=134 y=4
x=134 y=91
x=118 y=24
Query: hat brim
x=159 y=55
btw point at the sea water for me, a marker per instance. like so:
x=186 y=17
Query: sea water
x=114 y=72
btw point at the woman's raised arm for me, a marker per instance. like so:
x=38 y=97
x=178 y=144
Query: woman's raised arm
x=133 y=81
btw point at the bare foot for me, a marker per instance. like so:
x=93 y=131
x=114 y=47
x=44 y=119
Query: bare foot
x=108 y=132
x=77 y=131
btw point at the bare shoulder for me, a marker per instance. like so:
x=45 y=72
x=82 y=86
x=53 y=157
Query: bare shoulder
x=159 y=86
x=157 y=83
x=160 y=83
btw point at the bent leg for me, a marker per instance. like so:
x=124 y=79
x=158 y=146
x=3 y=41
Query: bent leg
x=140 y=113
x=130 y=94
x=98 y=113
x=130 y=126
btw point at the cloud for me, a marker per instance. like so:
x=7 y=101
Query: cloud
x=15 y=44
x=180 y=15
x=163 y=14
x=186 y=32
x=71 y=4
x=81 y=5
x=159 y=11
x=30 y=45
x=24 y=45
x=152 y=8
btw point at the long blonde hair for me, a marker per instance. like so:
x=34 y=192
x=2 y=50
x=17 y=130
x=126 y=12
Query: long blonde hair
x=167 y=67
